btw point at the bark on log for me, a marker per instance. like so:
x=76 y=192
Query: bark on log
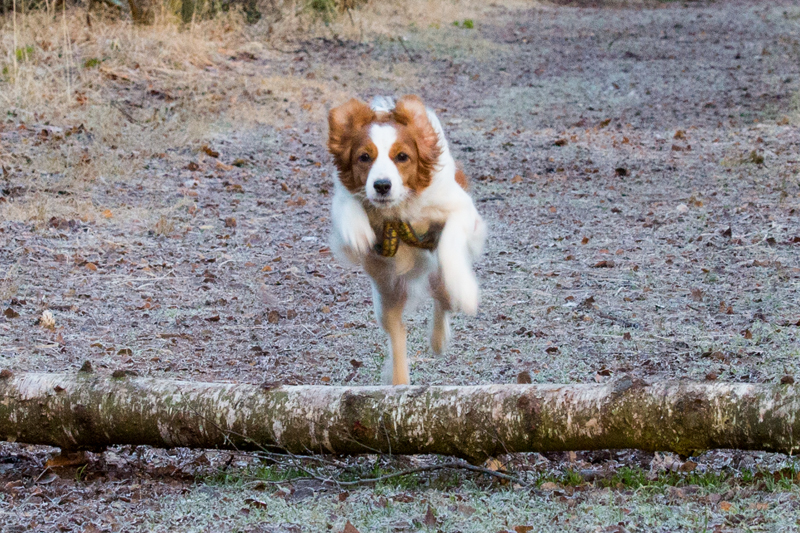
x=87 y=411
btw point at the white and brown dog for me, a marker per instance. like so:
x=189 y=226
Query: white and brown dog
x=402 y=212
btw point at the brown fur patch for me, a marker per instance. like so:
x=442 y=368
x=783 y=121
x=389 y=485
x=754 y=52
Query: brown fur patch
x=410 y=112
x=462 y=179
x=347 y=129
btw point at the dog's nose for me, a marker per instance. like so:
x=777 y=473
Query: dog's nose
x=382 y=186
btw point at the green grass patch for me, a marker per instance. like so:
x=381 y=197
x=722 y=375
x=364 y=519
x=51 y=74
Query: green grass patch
x=24 y=53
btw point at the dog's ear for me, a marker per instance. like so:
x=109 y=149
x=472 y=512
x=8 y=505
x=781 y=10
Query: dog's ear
x=411 y=112
x=344 y=124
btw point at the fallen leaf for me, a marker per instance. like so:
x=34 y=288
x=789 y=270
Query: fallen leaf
x=47 y=479
x=494 y=464
x=91 y=266
x=606 y=263
x=466 y=510
x=10 y=313
x=725 y=506
x=68 y=459
x=252 y=502
x=560 y=142
x=552 y=349
x=516 y=179
x=549 y=485
x=787 y=380
x=523 y=529
x=626 y=336
x=230 y=222
x=107 y=213
x=524 y=377
x=209 y=152
x=430 y=518
x=349 y=528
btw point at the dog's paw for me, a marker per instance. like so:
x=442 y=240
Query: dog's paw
x=357 y=238
x=463 y=291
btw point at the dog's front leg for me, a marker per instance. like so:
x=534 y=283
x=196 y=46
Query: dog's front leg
x=352 y=237
x=461 y=240
x=389 y=303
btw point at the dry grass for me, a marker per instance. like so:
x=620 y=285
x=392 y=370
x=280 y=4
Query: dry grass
x=141 y=92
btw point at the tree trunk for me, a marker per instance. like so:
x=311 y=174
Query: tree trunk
x=142 y=11
x=87 y=411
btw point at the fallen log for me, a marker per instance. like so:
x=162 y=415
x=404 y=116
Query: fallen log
x=88 y=411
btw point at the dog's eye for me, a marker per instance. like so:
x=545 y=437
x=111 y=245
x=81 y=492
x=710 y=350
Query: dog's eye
x=364 y=158
x=402 y=157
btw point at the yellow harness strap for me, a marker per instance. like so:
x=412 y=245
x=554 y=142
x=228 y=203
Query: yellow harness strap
x=395 y=231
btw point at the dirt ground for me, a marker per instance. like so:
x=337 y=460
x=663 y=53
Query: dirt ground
x=166 y=198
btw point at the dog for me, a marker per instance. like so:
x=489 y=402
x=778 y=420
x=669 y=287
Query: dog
x=401 y=211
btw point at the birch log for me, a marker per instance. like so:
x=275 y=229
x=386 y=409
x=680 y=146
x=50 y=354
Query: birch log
x=87 y=411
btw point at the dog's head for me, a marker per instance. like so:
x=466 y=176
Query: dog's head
x=384 y=155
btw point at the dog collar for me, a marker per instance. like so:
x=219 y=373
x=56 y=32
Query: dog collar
x=395 y=231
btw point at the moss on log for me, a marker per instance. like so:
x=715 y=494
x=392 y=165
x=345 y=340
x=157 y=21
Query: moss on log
x=88 y=411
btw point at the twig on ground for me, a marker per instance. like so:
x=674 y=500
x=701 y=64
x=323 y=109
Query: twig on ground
x=614 y=318
x=116 y=105
x=403 y=44
x=455 y=465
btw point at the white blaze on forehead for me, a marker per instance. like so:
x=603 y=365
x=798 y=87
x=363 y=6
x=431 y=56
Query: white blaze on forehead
x=383 y=136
